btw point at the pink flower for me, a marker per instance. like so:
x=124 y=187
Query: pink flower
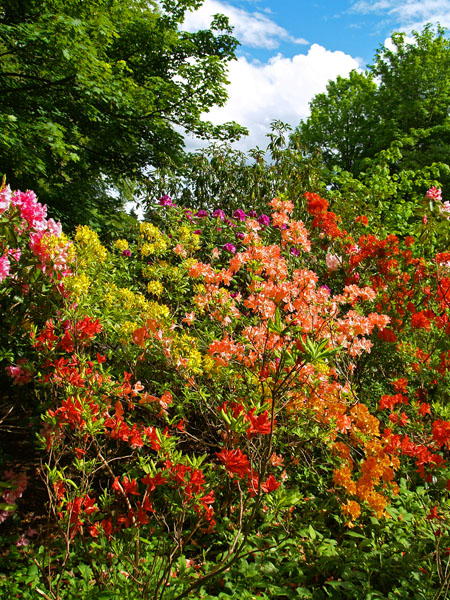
x=445 y=208
x=219 y=214
x=5 y=199
x=19 y=374
x=434 y=193
x=4 y=267
x=333 y=261
x=239 y=214
x=22 y=541
x=229 y=247
x=55 y=228
x=166 y=201
x=31 y=210
x=15 y=253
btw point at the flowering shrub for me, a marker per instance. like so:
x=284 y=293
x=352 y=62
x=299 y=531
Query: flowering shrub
x=249 y=386
x=34 y=257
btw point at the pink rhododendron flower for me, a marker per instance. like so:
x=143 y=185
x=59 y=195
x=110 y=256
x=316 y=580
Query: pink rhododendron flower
x=30 y=209
x=19 y=374
x=15 y=253
x=10 y=495
x=22 y=541
x=5 y=199
x=434 y=193
x=54 y=228
x=445 y=208
x=4 y=267
x=333 y=261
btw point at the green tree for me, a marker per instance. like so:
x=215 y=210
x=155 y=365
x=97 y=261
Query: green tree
x=220 y=176
x=341 y=120
x=94 y=92
x=403 y=97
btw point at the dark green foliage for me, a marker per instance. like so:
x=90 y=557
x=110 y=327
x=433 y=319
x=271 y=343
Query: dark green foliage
x=404 y=96
x=91 y=93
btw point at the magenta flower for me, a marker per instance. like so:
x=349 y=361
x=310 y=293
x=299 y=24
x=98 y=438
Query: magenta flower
x=166 y=201
x=197 y=232
x=126 y=253
x=229 y=247
x=295 y=251
x=239 y=214
x=4 y=267
x=239 y=235
x=219 y=214
x=264 y=220
x=253 y=214
x=202 y=214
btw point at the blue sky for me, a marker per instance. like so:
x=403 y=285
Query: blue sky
x=290 y=49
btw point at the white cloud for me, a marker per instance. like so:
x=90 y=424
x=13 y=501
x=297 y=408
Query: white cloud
x=253 y=29
x=278 y=89
x=408 y=15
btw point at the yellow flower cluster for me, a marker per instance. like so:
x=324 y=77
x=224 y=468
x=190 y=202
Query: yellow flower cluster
x=210 y=367
x=161 y=269
x=121 y=245
x=154 y=241
x=89 y=248
x=155 y=287
x=184 y=351
x=185 y=236
x=134 y=304
x=127 y=329
x=78 y=285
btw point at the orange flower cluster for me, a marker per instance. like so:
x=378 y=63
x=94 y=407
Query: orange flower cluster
x=375 y=470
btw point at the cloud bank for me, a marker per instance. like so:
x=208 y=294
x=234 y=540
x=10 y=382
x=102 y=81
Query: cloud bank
x=279 y=89
x=253 y=29
x=408 y=15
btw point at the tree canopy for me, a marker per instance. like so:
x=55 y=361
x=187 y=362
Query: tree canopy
x=404 y=96
x=95 y=92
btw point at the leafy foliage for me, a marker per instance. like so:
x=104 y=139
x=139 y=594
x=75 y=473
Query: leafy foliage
x=402 y=99
x=92 y=93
